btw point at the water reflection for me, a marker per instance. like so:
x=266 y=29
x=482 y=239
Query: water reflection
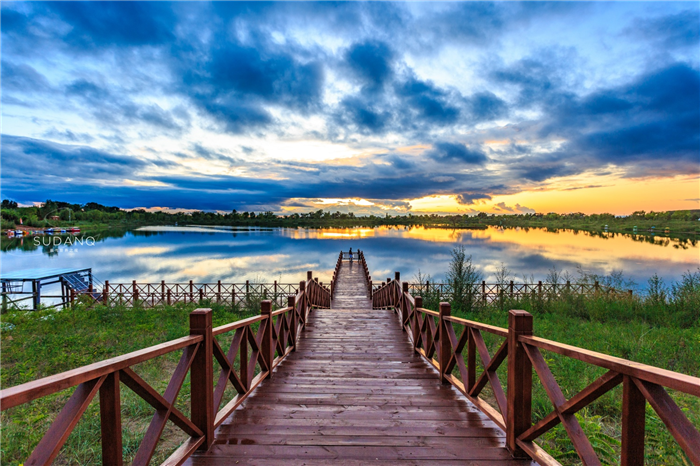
x=206 y=254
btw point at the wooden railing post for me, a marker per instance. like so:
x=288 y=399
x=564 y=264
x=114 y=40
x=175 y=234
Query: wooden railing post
x=218 y=291
x=483 y=292
x=444 y=343
x=202 y=376
x=304 y=303
x=633 y=404
x=291 y=302
x=162 y=291
x=169 y=297
x=404 y=306
x=111 y=421
x=268 y=344
x=414 y=324
x=309 y=275
x=519 y=407
x=134 y=292
x=105 y=292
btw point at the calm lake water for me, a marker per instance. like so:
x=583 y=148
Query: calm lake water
x=203 y=254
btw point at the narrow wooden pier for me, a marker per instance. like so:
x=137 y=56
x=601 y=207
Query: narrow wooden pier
x=355 y=392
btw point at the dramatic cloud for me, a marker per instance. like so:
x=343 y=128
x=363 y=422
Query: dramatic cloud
x=279 y=106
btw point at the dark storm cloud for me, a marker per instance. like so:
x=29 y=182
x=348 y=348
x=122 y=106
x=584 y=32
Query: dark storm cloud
x=22 y=78
x=113 y=107
x=457 y=153
x=149 y=23
x=431 y=104
x=33 y=159
x=362 y=116
x=654 y=117
x=371 y=62
x=470 y=198
x=676 y=30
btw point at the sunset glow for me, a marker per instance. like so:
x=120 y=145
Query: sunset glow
x=370 y=108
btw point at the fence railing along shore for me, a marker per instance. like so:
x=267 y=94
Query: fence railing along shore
x=250 y=294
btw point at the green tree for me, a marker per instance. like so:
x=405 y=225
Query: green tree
x=462 y=277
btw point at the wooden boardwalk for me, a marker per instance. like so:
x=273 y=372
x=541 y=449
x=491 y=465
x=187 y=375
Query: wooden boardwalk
x=355 y=392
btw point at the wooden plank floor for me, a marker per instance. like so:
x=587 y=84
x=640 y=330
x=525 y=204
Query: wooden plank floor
x=351 y=288
x=354 y=392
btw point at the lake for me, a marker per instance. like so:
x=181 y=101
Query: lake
x=208 y=254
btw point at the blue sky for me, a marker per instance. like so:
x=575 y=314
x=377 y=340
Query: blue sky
x=369 y=107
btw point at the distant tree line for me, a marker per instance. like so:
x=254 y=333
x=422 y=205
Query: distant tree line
x=57 y=213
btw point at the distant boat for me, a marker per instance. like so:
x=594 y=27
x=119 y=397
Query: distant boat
x=74 y=229
x=10 y=233
x=49 y=230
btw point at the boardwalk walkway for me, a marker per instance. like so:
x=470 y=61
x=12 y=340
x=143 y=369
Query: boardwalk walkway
x=355 y=392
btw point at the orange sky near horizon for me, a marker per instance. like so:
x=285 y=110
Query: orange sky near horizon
x=619 y=196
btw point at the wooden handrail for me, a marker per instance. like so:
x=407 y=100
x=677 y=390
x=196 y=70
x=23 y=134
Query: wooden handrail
x=669 y=379
x=434 y=338
x=276 y=337
x=26 y=392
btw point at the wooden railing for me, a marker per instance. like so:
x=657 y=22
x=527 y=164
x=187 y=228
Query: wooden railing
x=484 y=293
x=336 y=271
x=277 y=335
x=149 y=294
x=434 y=337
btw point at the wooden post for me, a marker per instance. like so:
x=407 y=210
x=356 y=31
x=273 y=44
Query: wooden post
x=218 y=291
x=291 y=302
x=596 y=286
x=201 y=295
x=414 y=324
x=191 y=291
x=105 y=292
x=304 y=303
x=633 y=404
x=519 y=411
x=404 y=307
x=444 y=344
x=483 y=292
x=471 y=360
x=539 y=287
x=202 y=375
x=511 y=289
x=267 y=347
x=134 y=293
x=111 y=421
x=309 y=275
x=36 y=294
x=169 y=296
